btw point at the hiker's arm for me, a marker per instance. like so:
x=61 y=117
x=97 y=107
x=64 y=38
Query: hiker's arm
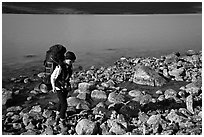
x=54 y=76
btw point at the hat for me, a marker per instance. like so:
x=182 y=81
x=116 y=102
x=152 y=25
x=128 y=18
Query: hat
x=70 y=55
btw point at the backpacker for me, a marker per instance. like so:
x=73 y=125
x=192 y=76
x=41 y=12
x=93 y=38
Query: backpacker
x=54 y=57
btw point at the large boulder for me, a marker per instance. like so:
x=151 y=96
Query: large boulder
x=86 y=127
x=6 y=96
x=144 y=75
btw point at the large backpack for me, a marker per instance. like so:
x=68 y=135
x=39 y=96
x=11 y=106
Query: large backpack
x=54 y=57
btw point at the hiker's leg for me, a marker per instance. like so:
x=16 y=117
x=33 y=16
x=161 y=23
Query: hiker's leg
x=63 y=103
x=59 y=95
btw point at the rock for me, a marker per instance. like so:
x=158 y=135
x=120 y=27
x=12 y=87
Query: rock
x=43 y=88
x=26 y=119
x=83 y=96
x=15 y=118
x=191 y=88
x=173 y=116
x=84 y=87
x=105 y=129
x=115 y=97
x=34 y=92
x=6 y=96
x=146 y=76
x=159 y=92
x=135 y=93
x=100 y=110
x=82 y=106
x=131 y=109
x=86 y=127
x=50 y=121
x=41 y=75
x=30 y=126
x=29 y=132
x=17 y=126
x=26 y=80
x=170 y=93
x=47 y=113
x=173 y=57
x=98 y=95
x=189 y=103
x=177 y=73
x=145 y=99
x=154 y=119
x=73 y=101
x=143 y=117
x=118 y=126
x=190 y=53
x=14 y=109
x=36 y=109
x=117 y=129
x=48 y=131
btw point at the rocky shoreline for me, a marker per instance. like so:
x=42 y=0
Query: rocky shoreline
x=135 y=96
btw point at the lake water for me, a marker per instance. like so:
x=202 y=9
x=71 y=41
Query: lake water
x=96 y=39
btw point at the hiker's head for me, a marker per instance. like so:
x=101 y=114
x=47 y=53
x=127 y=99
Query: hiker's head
x=70 y=57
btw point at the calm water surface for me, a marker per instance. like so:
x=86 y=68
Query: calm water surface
x=96 y=39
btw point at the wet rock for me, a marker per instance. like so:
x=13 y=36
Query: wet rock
x=146 y=76
x=86 y=127
x=98 y=95
x=6 y=96
x=115 y=97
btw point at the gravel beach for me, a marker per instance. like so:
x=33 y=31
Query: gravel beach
x=135 y=96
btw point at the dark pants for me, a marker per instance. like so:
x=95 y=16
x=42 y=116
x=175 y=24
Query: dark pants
x=62 y=105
